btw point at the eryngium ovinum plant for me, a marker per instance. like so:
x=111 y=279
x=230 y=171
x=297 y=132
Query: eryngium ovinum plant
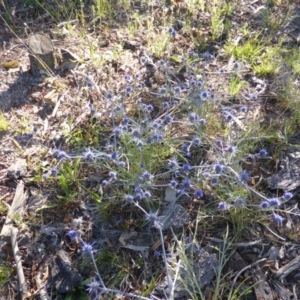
x=155 y=147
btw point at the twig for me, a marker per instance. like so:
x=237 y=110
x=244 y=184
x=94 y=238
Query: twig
x=58 y=104
x=275 y=234
x=288 y=268
x=240 y=272
x=17 y=256
x=245 y=244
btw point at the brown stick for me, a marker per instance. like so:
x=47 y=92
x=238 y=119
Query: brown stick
x=22 y=283
x=288 y=268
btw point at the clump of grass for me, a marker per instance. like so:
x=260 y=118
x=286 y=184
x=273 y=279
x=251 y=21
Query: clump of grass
x=249 y=51
x=5 y=273
x=3 y=122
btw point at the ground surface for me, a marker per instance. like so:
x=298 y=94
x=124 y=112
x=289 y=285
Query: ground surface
x=70 y=110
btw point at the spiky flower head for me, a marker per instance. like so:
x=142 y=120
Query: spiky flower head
x=73 y=234
x=243 y=176
x=93 y=287
x=87 y=249
x=277 y=219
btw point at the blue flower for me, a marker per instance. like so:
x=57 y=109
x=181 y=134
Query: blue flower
x=185 y=147
x=54 y=171
x=228 y=117
x=172 y=32
x=274 y=202
x=219 y=143
x=118 y=131
x=114 y=155
x=193 y=117
x=173 y=183
x=177 y=173
x=127 y=77
x=236 y=65
x=156 y=125
x=87 y=249
x=62 y=154
x=152 y=217
x=147 y=194
x=165 y=105
x=121 y=164
x=162 y=91
x=129 y=89
x=188 y=240
x=204 y=95
x=129 y=198
x=277 y=219
x=202 y=122
x=94 y=287
x=88 y=155
x=186 y=183
x=138 y=196
x=243 y=177
x=196 y=141
x=287 y=196
x=254 y=96
x=214 y=181
x=177 y=89
x=109 y=95
x=186 y=168
x=262 y=153
x=265 y=204
x=146 y=175
x=232 y=149
x=199 y=194
x=136 y=132
x=243 y=109
x=240 y=202
x=206 y=174
x=149 y=108
x=45 y=176
x=199 y=83
x=173 y=163
x=125 y=121
x=112 y=175
x=168 y=119
x=139 y=143
x=138 y=190
x=157 y=253
x=88 y=82
x=222 y=206
x=192 y=83
x=218 y=168
x=73 y=234
x=143 y=59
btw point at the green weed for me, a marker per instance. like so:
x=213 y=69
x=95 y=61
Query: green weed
x=249 y=51
x=236 y=84
x=69 y=180
x=5 y=272
x=3 y=122
x=3 y=208
x=220 y=24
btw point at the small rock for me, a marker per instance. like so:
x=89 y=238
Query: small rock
x=17 y=170
x=175 y=216
x=63 y=276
